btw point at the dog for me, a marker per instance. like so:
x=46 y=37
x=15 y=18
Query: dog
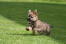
x=36 y=25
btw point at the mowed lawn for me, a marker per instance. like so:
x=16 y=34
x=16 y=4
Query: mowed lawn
x=13 y=21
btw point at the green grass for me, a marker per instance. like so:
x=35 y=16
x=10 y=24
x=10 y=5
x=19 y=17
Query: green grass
x=33 y=0
x=13 y=23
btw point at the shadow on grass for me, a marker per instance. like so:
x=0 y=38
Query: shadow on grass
x=21 y=34
x=29 y=34
x=25 y=34
x=18 y=13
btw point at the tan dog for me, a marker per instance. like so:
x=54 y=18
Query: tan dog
x=38 y=26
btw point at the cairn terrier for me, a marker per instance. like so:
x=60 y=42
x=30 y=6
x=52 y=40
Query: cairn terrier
x=36 y=25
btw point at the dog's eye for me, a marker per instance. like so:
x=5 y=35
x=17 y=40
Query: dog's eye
x=31 y=17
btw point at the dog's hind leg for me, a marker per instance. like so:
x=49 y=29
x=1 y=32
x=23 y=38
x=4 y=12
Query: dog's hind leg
x=48 y=33
x=48 y=30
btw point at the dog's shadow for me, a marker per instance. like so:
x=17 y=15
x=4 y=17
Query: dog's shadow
x=24 y=34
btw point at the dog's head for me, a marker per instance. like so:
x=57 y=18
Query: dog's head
x=32 y=16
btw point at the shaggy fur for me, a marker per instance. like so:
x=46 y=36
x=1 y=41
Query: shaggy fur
x=37 y=25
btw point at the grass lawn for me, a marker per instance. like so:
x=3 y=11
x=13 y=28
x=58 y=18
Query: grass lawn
x=34 y=0
x=13 y=23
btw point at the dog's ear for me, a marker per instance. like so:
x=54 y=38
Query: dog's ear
x=29 y=10
x=35 y=12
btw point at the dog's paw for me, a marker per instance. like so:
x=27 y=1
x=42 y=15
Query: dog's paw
x=27 y=29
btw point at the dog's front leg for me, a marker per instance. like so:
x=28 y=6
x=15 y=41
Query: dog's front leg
x=33 y=32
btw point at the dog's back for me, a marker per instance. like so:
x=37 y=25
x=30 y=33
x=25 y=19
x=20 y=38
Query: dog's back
x=42 y=27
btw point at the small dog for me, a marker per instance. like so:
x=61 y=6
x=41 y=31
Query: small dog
x=36 y=25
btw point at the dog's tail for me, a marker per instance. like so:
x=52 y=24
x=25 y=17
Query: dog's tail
x=51 y=26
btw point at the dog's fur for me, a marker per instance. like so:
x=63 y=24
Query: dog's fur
x=30 y=22
x=37 y=25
